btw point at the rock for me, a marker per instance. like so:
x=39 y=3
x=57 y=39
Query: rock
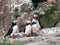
x=51 y=30
x=45 y=39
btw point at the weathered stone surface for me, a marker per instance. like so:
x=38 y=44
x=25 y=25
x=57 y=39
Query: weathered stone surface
x=5 y=17
x=46 y=39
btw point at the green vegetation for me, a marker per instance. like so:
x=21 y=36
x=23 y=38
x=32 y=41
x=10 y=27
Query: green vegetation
x=50 y=17
x=4 y=41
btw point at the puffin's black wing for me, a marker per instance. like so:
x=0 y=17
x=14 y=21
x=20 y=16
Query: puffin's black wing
x=9 y=31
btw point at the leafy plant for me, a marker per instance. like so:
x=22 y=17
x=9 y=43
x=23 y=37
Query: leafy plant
x=5 y=41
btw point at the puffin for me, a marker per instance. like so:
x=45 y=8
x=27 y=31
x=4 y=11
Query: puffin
x=10 y=29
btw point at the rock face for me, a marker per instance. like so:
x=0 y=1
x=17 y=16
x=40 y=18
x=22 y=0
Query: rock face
x=5 y=17
x=46 y=39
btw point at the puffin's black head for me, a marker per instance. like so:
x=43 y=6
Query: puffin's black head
x=13 y=24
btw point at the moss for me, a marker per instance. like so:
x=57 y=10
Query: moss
x=50 y=17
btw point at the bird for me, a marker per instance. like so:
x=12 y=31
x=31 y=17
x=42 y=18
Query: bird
x=10 y=29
